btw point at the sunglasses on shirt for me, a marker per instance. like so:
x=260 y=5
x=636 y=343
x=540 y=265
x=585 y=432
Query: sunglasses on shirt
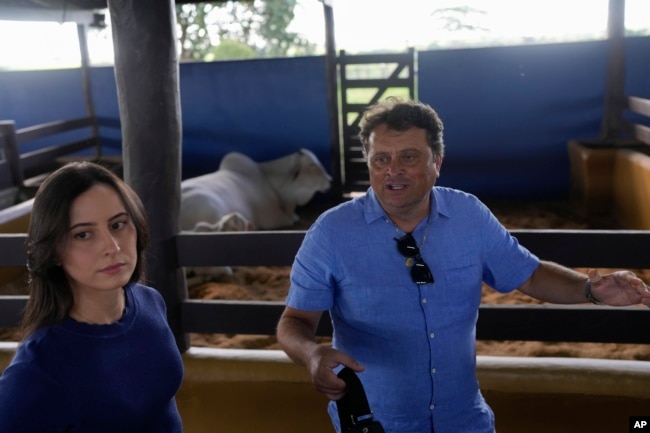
x=420 y=272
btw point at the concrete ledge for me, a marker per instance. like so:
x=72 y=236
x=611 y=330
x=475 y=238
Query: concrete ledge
x=240 y=390
x=591 y=177
x=580 y=376
x=612 y=181
x=631 y=189
x=606 y=377
x=241 y=365
x=622 y=378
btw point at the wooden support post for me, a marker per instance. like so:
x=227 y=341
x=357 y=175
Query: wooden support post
x=146 y=72
x=332 y=99
x=615 y=74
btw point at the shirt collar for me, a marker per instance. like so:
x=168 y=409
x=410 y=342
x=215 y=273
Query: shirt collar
x=372 y=210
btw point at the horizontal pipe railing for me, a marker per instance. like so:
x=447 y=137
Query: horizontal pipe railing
x=573 y=248
x=35 y=132
x=506 y=322
x=254 y=248
x=35 y=162
x=567 y=323
x=355 y=59
x=640 y=106
x=23 y=165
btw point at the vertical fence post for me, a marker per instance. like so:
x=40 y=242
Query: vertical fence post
x=85 y=82
x=10 y=151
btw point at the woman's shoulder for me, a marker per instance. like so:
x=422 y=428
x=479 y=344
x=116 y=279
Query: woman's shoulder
x=145 y=295
x=38 y=347
x=140 y=290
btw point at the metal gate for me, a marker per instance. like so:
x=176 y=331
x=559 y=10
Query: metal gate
x=365 y=79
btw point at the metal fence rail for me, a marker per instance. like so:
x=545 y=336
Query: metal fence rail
x=573 y=248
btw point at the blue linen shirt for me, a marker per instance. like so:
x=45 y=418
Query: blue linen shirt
x=418 y=343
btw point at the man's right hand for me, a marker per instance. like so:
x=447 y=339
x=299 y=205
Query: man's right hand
x=323 y=361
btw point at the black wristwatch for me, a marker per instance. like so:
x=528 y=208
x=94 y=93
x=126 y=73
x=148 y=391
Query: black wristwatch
x=588 y=294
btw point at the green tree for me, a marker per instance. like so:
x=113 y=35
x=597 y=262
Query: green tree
x=193 y=38
x=222 y=30
x=277 y=16
x=230 y=50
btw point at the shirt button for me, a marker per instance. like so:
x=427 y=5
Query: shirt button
x=431 y=406
x=431 y=335
x=424 y=300
x=433 y=371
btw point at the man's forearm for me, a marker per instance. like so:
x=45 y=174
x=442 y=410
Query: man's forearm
x=297 y=339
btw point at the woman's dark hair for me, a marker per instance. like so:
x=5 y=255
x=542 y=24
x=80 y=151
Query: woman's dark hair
x=399 y=115
x=51 y=297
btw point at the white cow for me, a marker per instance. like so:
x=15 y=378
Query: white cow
x=245 y=194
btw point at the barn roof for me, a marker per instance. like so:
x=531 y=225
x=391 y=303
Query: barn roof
x=49 y=5
x=45 y=5
x=58 y=10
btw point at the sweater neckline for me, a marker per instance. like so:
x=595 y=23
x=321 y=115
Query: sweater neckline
x=113 y=329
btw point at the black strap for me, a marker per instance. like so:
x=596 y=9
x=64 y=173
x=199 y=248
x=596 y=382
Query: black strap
x=353 y=407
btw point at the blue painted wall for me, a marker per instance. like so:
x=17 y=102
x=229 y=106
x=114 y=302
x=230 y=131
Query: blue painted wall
x=508 y=111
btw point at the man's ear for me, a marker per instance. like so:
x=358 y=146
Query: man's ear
x=438 y=164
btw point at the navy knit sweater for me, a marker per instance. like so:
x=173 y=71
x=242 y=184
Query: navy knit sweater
x=78 y=378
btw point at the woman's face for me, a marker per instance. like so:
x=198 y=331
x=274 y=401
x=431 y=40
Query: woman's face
x=99 y=252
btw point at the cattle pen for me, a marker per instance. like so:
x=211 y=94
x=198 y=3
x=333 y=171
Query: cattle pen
x=235 y=379
x=239 y=390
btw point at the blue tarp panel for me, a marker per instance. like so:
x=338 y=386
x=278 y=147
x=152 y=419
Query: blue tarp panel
x=32 y=97
x=263 y=108
x=508 y=111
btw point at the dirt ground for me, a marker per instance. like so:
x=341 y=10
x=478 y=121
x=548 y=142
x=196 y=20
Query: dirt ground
x=271 y=284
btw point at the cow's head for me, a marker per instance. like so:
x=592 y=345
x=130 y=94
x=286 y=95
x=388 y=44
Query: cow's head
x=296 y=177
x=309 y=177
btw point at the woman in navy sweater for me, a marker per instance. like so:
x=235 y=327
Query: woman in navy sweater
x=97 y=354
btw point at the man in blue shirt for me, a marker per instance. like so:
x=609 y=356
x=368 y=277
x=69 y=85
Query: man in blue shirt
x=400 y=271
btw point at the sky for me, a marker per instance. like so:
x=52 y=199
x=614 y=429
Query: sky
x=363 y=23
x=360 y=25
